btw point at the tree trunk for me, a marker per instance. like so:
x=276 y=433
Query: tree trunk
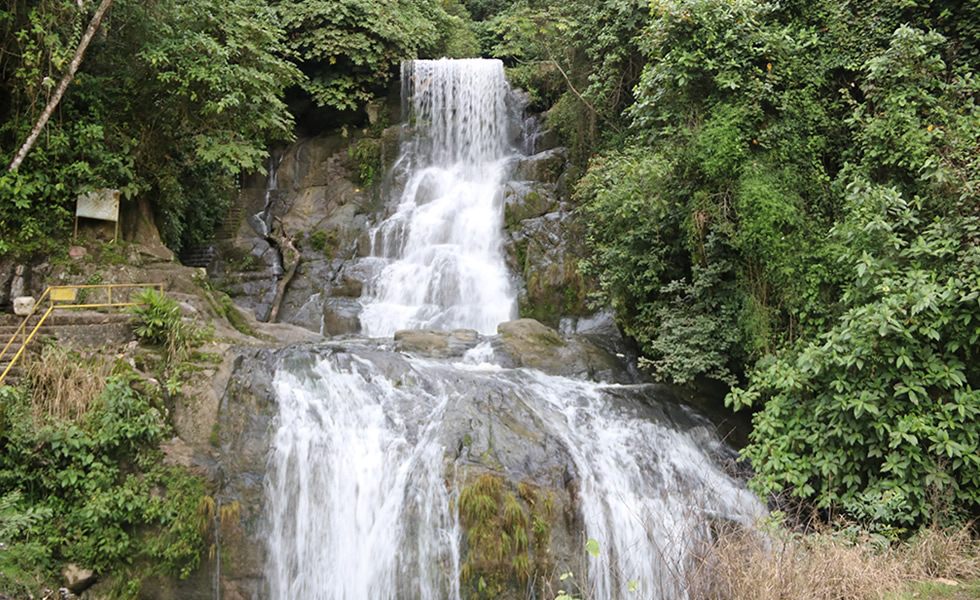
x=290 y=258
x=93 y=26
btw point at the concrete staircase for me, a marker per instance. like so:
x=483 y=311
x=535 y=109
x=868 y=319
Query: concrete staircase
x=8 y=326
x=200 y=255
x=69 y=327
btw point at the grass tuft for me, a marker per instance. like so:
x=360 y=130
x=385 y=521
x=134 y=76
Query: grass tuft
x=739 y=564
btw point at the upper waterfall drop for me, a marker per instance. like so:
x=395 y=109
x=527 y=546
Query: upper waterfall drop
x=439 y=254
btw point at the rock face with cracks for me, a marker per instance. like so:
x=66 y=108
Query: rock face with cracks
x=313 y=197
x=486 y=430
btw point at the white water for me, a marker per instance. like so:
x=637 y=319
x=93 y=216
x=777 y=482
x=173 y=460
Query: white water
x=358 y=504
x=360 y=486
x=361 y=481
x=440 y=251
x=648 y=489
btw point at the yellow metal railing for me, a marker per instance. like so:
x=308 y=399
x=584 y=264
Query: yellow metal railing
x=69 y=296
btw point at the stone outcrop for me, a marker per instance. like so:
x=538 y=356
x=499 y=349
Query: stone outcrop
x=545 y=242
x=312 y=194
x=436 y=343
x=528 y=343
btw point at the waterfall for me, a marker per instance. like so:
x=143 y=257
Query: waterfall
x=439 y=253
x=361 y=486
x=649 y=489
x=358 y=502
x=371 y=448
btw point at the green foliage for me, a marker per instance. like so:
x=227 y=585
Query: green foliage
x=349 y=49
x=505 y=542
x=318 y=240
x=157 y=321
x=798 y=194
x=878 y=415
x=171 y=101
x=365 y=153
x=20 y=554
x=634 y=228
x=579 y=60
x=919 y=118
x=115 y=503
x=681 y=309
x=222 y=60
x=322 y=241
x=694 y=329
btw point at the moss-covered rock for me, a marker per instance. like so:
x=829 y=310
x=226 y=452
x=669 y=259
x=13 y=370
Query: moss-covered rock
x=546 y=251
x=544 y=166
x=529 y=343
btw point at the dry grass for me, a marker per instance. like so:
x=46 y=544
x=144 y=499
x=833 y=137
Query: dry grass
x=743 y=565
x=948 y=554
x=63 y=382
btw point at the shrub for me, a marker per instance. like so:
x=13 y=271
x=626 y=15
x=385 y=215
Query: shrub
x=878 y=416
x=157 y=321
x=116 y=505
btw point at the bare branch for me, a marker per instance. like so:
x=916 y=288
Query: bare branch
x=93 y=26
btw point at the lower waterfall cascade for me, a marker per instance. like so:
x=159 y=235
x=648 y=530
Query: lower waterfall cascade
x=371 y=446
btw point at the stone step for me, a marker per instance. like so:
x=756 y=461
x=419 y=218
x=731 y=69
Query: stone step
x=13 y=376
x=61 y=318
x=233 y=218
x=91 y=327
x=201 y=255
x=197 y=256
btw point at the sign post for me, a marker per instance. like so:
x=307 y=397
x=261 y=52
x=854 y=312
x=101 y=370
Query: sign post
x=102 y=204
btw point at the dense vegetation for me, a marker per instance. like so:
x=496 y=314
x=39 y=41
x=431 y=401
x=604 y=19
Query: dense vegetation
x=83 y=478
x=174 y=99
x=780 y=196
x=795 y=214
x=91 y=488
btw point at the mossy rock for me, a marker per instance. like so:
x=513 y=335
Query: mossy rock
x=529 y=343
x=508 y=537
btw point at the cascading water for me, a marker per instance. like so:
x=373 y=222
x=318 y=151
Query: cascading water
x=440 y=251
x=648 y=489
x=356 y=488
x=261 y=221
x=360 y=483
x=362 y=473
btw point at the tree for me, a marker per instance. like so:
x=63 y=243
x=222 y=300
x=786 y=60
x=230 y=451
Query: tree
x=62 y=86
x=349 y=49
x=169 y=104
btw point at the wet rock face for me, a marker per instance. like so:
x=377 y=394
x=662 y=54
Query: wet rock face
x=528 y=343
x=240 y=443
x=545 y=242
x=528 y=200
x=488 y=428
x=247 y=269
x=546 y=166
x=313 y=195
x=440 y=344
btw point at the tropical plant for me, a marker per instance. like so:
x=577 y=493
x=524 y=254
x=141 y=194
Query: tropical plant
x=117 y=505
x=350 y=49
x=878 y=416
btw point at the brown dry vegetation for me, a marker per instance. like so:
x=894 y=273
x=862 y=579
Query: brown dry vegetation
x=63 y=382
x=827 y=565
